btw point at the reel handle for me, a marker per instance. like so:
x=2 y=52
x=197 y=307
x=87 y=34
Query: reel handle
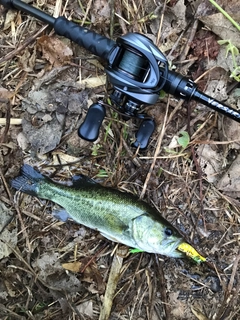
x=89 y=129
x=144 y=133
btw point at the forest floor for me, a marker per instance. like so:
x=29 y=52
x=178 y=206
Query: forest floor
x=190 y=170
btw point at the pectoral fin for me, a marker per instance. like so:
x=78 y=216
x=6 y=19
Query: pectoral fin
x=61 y=215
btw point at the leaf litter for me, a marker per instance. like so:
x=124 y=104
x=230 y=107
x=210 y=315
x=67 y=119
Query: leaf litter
x=53 y=270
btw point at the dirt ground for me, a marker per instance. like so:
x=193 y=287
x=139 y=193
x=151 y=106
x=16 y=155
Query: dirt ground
x=190 y=170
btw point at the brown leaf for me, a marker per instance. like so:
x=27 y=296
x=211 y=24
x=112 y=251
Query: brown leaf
x=232 y=7
x=100 y=13
x=230 y=180
x=54 y=50
x=72 y=266
x=27 y=60
x=5 y=94
x=198 y=314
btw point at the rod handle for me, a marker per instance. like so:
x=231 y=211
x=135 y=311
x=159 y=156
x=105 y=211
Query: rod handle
x=90 y=40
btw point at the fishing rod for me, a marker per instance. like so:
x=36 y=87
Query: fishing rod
x=137 y=70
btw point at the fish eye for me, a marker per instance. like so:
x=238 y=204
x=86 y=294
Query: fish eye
x=168 y=232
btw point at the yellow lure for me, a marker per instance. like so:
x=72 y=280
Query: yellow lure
x=191 y=252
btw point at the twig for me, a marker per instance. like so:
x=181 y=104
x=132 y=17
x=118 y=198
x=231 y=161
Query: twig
x=13 y=53
x=234 y=272
x=162 y=286
x=135 y=160
x=86 y=13
x=13 y=121
x=5 y=185
x=57 y=9
x=161 y=22
x=83 y=268
x=7 y=124
x=111 y=285
x=112 y=14
x=189 y=42
x=159 y=142
x=122 y=21
x=229 y=294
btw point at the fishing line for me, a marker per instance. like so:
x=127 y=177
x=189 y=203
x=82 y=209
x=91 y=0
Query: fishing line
x=133 y=64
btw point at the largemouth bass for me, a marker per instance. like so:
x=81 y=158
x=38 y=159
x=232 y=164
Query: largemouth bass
x=118 y=216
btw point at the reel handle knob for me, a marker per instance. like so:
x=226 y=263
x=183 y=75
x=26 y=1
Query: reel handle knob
x=89 y=129
x=144 y=133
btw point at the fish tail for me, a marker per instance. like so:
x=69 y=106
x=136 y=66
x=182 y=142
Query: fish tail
x=28 y=181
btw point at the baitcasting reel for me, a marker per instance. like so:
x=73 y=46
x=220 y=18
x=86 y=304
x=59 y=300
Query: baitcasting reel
x=137 y=70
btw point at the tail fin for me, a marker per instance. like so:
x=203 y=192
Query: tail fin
x=28 y=181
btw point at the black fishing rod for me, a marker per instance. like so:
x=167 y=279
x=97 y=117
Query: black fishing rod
x=137 y=70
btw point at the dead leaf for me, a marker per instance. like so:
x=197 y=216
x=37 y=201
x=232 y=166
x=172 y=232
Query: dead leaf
x=222 y=27
x=10 y=16
x=54 y=50
x=230 y=181
x=86 y=308
x=5 y=94
x=100 y=13
x=9 y=234
x=51 y=271
x=198 y=314
x=178 y=306
x=94 y=81
x=232 y=7
x=210 y=161
x=63 y=157
x=217 y=89
x=205 y=45
x=27 y=60
x=72 y=266
x=174 y=22
x=22 y=141
x=224 y=61
x=43 y=136
x=92 y=275
x=230 y=130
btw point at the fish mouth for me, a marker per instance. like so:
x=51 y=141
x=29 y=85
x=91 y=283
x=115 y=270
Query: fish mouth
x=176 y=252
x=172 y=248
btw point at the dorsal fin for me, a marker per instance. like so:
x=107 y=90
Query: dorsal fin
x=82 y=180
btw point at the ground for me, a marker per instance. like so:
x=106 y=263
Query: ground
x=189 y=172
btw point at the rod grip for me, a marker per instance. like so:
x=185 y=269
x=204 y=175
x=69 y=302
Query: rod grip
x=90 y=40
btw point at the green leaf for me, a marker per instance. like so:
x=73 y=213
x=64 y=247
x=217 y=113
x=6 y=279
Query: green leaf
x=183 y=139
x=102 y=174
x=95 y=149
x=221 y=42
x=162 y=94
x=236 y=74
x=135 y=250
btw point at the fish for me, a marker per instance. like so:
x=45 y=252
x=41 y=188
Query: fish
x=119 y=216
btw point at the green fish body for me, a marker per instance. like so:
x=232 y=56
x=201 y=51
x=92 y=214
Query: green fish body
x=118 y=216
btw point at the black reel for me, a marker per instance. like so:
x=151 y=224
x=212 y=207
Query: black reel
x=137 y=70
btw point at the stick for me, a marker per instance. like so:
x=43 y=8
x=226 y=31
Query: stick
x=13 y=121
